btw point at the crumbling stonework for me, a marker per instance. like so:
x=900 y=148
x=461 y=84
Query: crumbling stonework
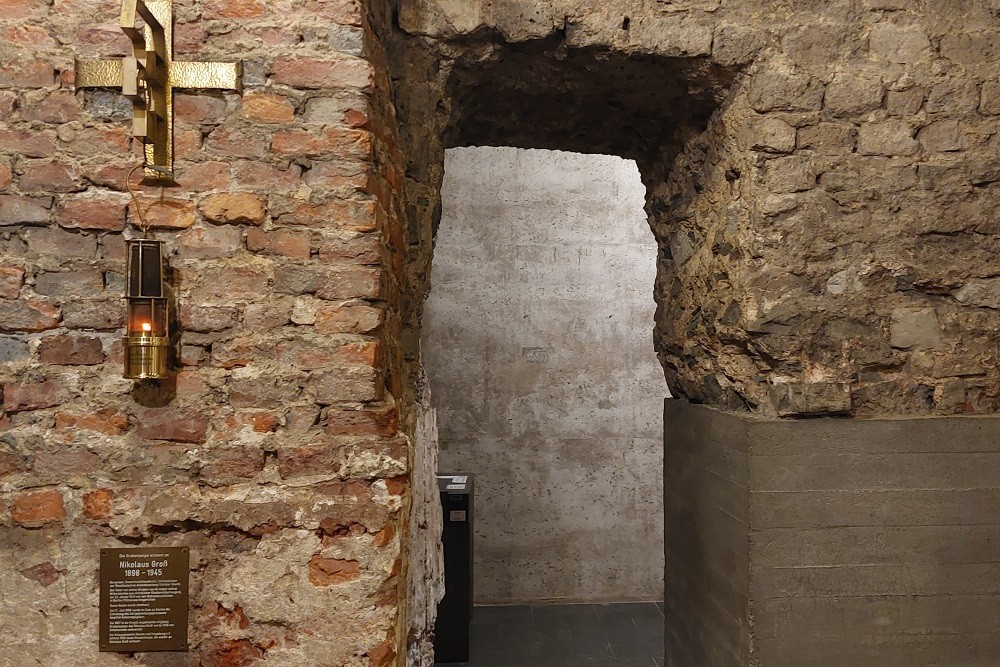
x=812 y=172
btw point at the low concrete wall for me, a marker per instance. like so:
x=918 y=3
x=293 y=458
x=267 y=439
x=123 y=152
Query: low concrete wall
x=865 y=541
x=706 y=505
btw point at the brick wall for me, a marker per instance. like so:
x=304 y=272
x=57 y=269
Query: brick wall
x=275 y=451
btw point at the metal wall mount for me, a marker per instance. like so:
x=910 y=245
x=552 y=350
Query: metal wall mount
x=149 y=76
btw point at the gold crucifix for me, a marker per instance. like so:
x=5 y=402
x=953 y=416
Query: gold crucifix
x=148 y=78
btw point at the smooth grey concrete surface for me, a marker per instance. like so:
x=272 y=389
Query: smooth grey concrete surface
x=706 y=506
x=537 y=339
x=867 y=542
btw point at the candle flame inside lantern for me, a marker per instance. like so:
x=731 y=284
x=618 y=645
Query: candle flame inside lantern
x=146 y=326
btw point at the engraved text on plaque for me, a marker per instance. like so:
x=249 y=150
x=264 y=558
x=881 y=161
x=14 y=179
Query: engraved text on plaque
x=144 y=599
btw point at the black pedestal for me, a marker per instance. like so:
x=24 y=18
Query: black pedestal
x=451 y=632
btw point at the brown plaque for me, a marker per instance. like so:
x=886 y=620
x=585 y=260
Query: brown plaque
x=144 y=599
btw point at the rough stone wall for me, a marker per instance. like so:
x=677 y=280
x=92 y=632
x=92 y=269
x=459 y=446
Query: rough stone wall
x=828 y=244
x=275 y=452
x=823 y=183
x=537 y=344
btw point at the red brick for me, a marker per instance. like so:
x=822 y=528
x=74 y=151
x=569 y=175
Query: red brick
x=239 y=282
x=207 y=318
x=88 y=282
x=238 y=352
x=229 y=653
x=93 y=314
x=30 y=396
x=187 y=143
x=65 y=463
x=28 y=143
x=30 y=74
x=199 y=108
x=16 y=210
x=11 y=279
x=19 y=9
x=350 y=282
x=234 y=208
x=356 y=216
x=223 y=466
x=347 y=143
x=357 y=384
x=45 y=574
x=71 y=350
x=267 y=392
x=191 y=386
x=257 y=174
x=189 y=38
x=384 y=536
x=103 y=213
x=57 y=242
x=348 y=319
x=311 y=355
x=8 y=100
x=346 y=175
x=344 y=12
x=284 y=242
x=110 y=174
x=238 y=143
x=322 y=459
x=202 y=176
x=102 y=42
x=165 y=213
x=265 y=108
x=210 y=241
x=264 y=422
x=99 y=141
x=364 y=421
x=50 y=176
x=32 y=36
x=28 y=316
x=11 y=463
x=266 y=316
x=382 y=655
x=37 y=508
x=172 y=424
x=232 y=9
x=355 y=118
x=345 y=72
x=59 y=106
x=108 y=421
x=97 y=503
x=363 y=249
x=332 y=571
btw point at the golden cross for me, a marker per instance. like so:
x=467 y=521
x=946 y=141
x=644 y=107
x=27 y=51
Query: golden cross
x=148 y=78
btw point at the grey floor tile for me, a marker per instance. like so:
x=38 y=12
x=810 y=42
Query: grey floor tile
x=601 y=635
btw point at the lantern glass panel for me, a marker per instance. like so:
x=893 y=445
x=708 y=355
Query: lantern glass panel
x=145 y=276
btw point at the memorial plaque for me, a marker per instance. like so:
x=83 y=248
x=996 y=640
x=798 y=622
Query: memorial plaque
x=144 y=599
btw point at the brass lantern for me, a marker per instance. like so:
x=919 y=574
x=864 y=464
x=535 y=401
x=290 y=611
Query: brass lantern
x=147 y=337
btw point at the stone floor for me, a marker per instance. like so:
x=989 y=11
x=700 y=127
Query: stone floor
x=567 y=635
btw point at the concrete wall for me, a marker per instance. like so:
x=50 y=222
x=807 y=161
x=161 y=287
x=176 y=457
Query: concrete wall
x=867 y=541
x=537 y=340
x=706 y=534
